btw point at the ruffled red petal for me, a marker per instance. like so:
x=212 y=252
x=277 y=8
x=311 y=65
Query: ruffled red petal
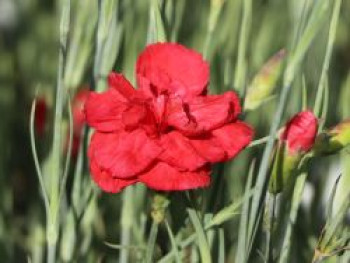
x=177 y=115
x=123 y=154
x=164 y=177
x=179 y=152
x=105 y=180
x=172 y=68
x=203 y=113
x=122 y=87
x=103 y=111
x=208 y=147
x=233 y=138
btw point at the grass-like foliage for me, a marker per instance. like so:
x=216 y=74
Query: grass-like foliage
x=284 y=198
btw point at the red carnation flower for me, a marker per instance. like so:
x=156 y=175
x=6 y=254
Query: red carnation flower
x=300 y=132
x=168 y=132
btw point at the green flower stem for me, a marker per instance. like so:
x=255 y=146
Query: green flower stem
x=241 y=64
x=269 y=241
x=328 y=55
x=126 y=223
x=173 y=242
x=215 y=10
x=36 y=159
x=296 y=198
x=151 y=242
x=204 y=248
x=52 y=222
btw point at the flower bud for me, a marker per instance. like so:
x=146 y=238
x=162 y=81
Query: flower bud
x=333 y=140
x=160 y=203
x=296 y=139
x=264 y=82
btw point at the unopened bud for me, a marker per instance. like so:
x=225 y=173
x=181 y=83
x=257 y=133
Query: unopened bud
x=297 y=138
x=264 y=82
x=333 y=140
x=159 y=206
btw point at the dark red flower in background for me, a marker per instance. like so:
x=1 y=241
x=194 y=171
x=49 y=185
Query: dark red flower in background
x=40 y=117
x=300 y=132
x=78 y=103
x=166 y=133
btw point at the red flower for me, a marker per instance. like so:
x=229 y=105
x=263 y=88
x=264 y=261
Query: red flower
x=166 y=133
x=40 y=116
x=299 y=133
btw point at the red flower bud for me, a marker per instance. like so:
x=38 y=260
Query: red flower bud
x=299 y=133
x=296 y=139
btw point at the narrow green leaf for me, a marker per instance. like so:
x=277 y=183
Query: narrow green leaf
x=334 y=223
x=215 y=10
x=203 y=245
x=69 y=238
x=229 y=211
x=259 y=141
x=159 y=26
x=151 y=242
x=60 y=99
x=36 y=159
x=296 y=198
x=325 y=105
x=328 y=55
x=244 y=220
x=127 y=219
x=173 y=242
x=107 y=37
x=329 y=208
x=241 y=64
x=129 y=247
x=304 y=93
x=270 y=228
x=221 y=254
x=69 y=152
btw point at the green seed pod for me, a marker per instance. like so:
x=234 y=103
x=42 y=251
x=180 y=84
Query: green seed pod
x=264 y=82
x=333 y=140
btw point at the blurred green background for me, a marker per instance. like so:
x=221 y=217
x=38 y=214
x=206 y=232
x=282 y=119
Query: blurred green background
x=106 y=35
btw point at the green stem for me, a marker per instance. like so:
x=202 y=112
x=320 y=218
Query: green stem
x=126 y=223
x=298 y=190
x=51 y=238
x=328 y=55
x=204 y=248
x=241 y=65
x=173 y=242
x=269 y=249
x=151 y=242
x=51 y=253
